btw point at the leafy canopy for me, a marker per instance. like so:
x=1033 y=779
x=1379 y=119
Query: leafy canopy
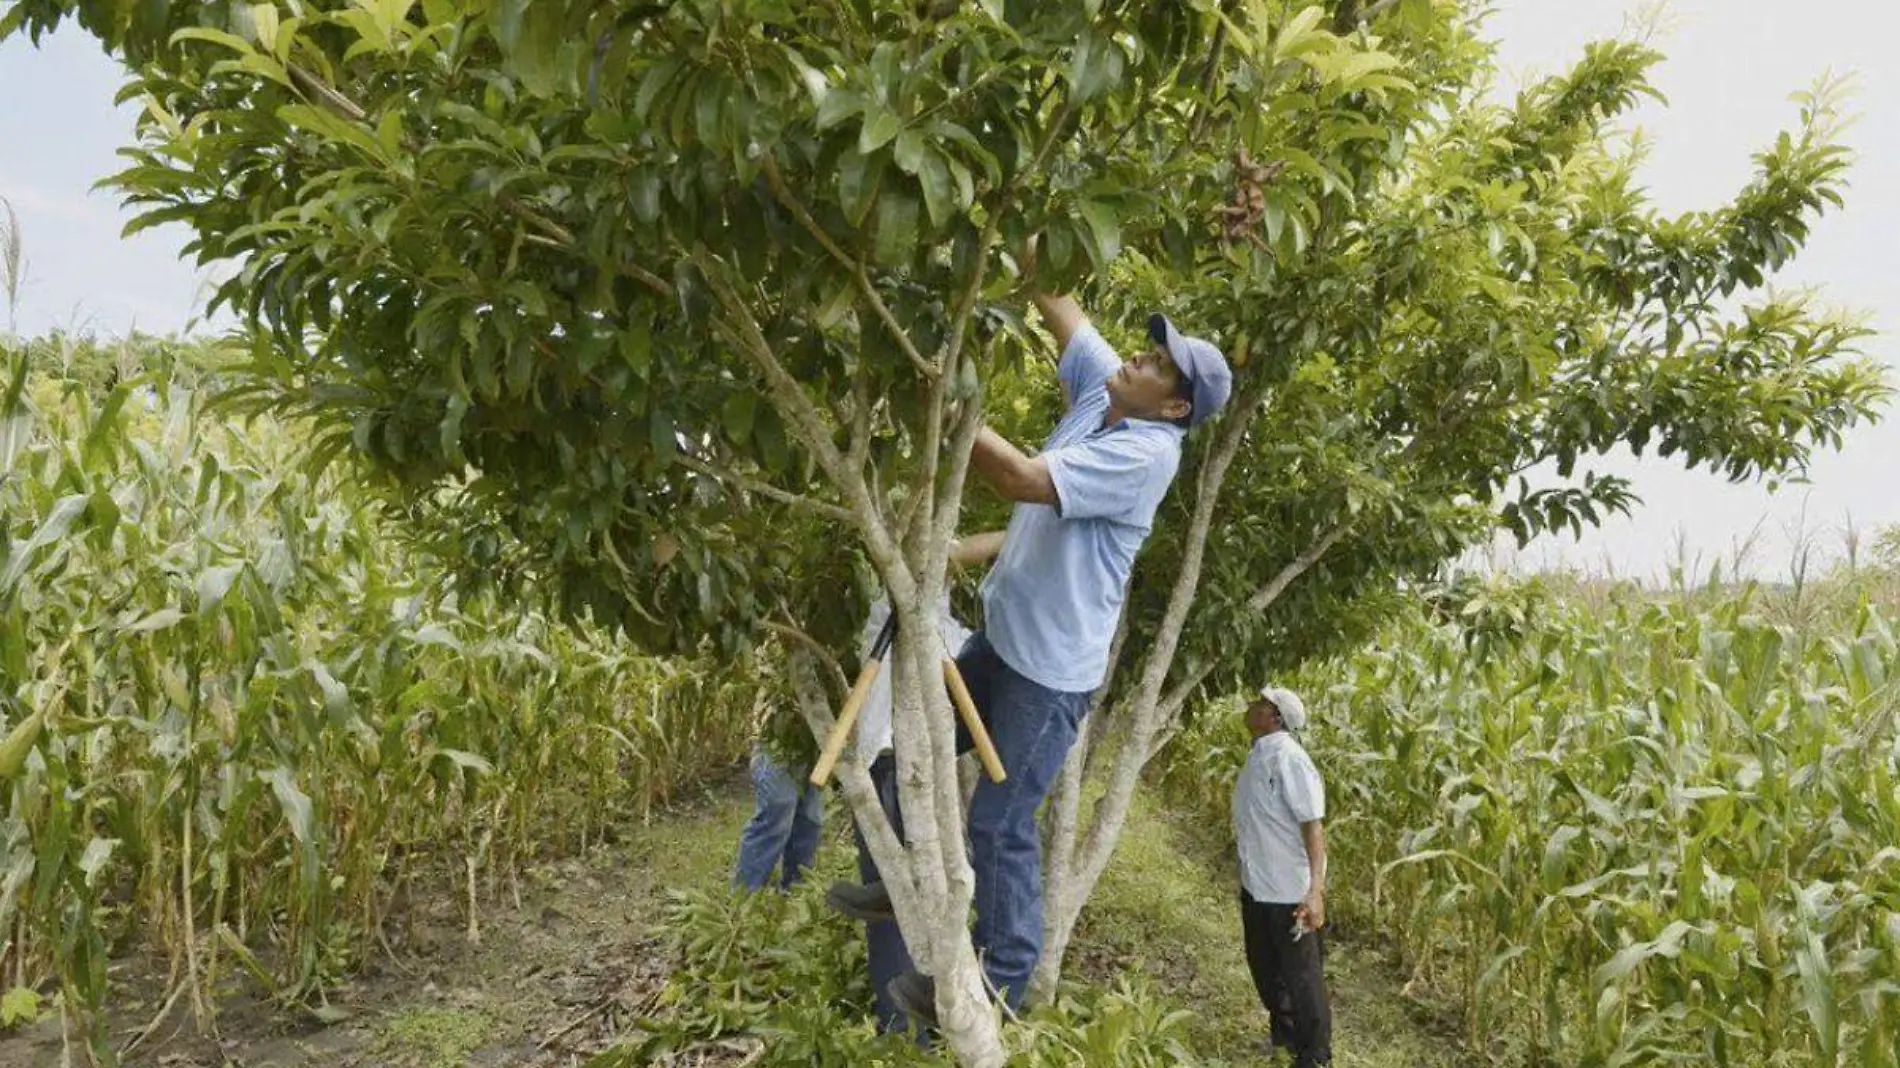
x=525 y=259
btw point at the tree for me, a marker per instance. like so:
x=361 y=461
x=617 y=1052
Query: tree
x=621 y=299
x=1491 y=296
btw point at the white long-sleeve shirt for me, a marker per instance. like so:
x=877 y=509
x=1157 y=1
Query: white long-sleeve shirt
x=1279 y=789
x=874 y=719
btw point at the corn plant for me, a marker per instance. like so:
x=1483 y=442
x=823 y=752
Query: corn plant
x=1627 y=829
x=240 y=715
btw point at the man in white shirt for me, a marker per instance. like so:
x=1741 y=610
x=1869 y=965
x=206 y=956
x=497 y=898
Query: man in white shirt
x=1279 y=803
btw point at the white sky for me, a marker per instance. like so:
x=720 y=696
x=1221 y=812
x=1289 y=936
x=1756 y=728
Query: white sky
x=1731 y=67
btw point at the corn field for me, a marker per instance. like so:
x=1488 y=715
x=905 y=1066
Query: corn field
x=240 y=715
x=1622 y=828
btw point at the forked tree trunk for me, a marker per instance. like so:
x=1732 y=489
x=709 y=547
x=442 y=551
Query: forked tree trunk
x=929 y=878
x=928 y=875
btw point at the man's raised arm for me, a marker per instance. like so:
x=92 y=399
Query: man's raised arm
x=1061 y=314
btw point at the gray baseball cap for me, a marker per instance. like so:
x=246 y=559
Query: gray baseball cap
x=1200 y=363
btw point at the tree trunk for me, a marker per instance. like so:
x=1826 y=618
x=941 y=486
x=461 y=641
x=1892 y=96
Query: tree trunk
x=930 y=901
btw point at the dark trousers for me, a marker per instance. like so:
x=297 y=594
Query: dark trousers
x=1290 y=977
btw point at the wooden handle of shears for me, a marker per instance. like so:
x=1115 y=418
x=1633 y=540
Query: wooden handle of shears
x=847 y=718
x=966 y=709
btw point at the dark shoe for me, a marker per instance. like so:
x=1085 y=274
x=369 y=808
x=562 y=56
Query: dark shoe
x=916 y=994
x=866 y=904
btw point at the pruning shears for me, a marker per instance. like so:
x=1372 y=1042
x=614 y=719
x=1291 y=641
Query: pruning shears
x=861 y=689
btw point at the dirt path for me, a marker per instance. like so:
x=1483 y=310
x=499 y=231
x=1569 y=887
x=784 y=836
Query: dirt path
x=563 y=976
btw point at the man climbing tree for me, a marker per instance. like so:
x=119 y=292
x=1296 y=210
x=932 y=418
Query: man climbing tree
x=1051 y=604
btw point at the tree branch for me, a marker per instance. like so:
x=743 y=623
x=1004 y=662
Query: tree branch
x=792 y=204
x=880 y=837
x=795 y=500
x=924 y=490
x=555 y=236
x=1350 y=16
x=741 y=329
x=860 y=420
x=840 y=683
x=989 y=74
x=647 y=278
x=966 y=301
x=1171 y=705
x=1296 y=567
x=950 y=499
x=327 y=94
x=1204 y=102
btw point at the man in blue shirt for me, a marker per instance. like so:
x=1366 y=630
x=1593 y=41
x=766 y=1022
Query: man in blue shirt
x=1084 y=505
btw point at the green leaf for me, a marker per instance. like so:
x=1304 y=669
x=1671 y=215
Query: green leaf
x=881 y=125
x=213 y=584
x=1096 y=66
x=530 y=36
x=709 y=107
x=939 y=196
x=331 y=127
x=466 y=760
x=658 y=77
x=58 y=523
x=739 y=412
x=336 y=696
x=896 y=228
x=663 y=436
x=858 y=178
x=298 y=811
x=1818 y=999
x=218 y=37
x=643 y=189
x=159 y=620
x=838 y=105
x=1105 y=229
x=908 y=151
x=450 y=430
x=1557 y=852
x=21 y=1006
x=105 y=514
x=94 y=860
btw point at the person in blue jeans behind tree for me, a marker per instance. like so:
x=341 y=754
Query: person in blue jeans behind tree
x=1051 y=604
x=788 y=815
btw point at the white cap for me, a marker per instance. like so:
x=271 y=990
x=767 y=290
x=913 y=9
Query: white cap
x=1292 y=710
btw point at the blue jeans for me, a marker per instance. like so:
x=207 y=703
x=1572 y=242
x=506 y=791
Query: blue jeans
x=788 y=815
x=1032 y=727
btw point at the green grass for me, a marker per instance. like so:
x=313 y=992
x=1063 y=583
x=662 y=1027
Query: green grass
x=1167 y=908
x=434 y=1037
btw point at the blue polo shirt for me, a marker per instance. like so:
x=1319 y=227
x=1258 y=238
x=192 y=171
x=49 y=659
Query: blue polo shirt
x=1055 y=595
